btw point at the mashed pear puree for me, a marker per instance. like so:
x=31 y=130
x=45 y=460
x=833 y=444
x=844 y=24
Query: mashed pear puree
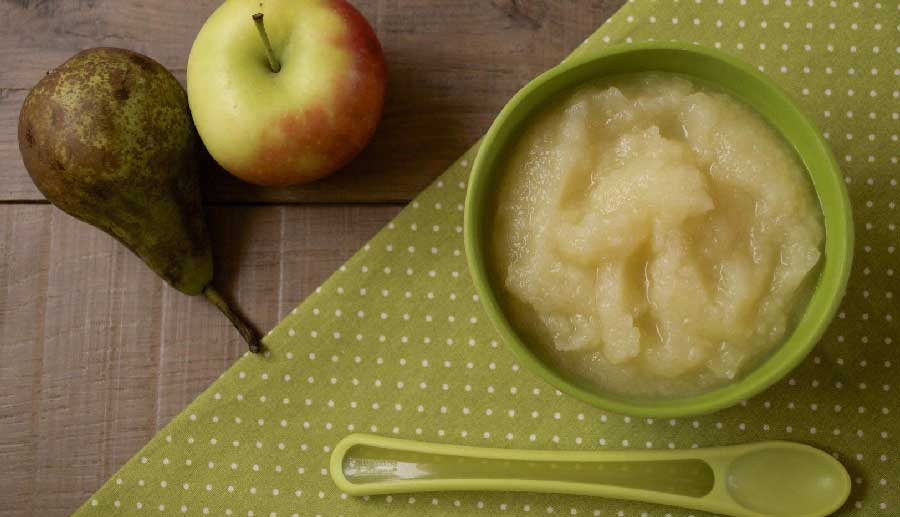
x=655 y=238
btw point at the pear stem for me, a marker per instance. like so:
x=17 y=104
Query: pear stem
x=247 y=332
x=270 y=54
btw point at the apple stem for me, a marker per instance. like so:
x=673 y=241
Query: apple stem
x=270 y=54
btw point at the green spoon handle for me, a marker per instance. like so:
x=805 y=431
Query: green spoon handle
x=370 y=465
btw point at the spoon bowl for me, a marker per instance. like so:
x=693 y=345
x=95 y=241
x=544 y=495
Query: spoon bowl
x=805 y=482
x=759 y=479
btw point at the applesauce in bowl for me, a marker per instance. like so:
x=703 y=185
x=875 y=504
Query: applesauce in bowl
x=657 y=229
x=654 y=237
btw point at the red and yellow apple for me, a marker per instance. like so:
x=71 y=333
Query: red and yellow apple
x=293 y=110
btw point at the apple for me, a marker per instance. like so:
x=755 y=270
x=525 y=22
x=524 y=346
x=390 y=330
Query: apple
x=284 y=92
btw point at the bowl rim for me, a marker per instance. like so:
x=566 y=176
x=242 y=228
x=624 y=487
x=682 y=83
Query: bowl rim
x=828 y=292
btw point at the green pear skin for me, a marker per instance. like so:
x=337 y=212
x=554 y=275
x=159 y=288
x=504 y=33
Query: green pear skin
x=108 y=138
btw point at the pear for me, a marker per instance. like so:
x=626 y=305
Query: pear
x=108 y=138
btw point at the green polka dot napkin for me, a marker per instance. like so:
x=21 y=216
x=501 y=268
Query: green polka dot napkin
x=396 y=343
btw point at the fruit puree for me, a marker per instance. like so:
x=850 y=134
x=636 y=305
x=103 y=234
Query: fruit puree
x=656 y=238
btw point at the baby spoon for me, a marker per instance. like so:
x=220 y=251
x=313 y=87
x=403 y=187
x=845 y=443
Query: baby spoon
x=758 y=479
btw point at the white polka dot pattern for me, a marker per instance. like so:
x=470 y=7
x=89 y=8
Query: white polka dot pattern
x=395 y=342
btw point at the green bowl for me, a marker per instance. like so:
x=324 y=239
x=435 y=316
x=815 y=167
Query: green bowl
x=726 y=74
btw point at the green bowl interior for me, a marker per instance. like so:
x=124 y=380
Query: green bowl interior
x=726 y=74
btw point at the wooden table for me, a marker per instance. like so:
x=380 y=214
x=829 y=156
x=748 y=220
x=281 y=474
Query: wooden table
x=96 y=352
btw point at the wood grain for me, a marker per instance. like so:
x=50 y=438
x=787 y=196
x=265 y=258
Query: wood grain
x=452 y=65
x=24 y=248
x=98 y=353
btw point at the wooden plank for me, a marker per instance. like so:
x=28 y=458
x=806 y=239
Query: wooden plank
x=452 y=65
x=98 y=353
x=24 y=244
x=17 y=183
x=98 y=370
